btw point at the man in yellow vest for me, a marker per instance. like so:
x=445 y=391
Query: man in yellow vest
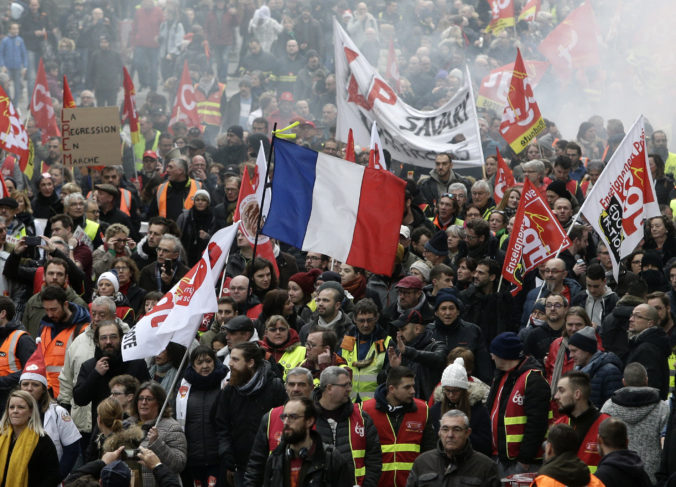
x=16 y=348
x=177 y=193
x=211 y=103
x=364 y=348
x=149 y=139
x=403 y=425
x=562 y=467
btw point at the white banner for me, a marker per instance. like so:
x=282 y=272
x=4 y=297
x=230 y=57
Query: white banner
x=176 y=317
x=411 y=135
x=623 y=197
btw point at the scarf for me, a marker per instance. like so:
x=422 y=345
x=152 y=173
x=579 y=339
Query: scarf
x=356 y=287
x=17 y=473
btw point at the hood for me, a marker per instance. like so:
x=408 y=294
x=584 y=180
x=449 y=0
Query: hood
x=634 y=404
x=478 y=391
x=130 y=437
x=567 y=469
x=626 y=461
x=626 y=305
x=9 y=328
x=655 y=336
x=599 y=359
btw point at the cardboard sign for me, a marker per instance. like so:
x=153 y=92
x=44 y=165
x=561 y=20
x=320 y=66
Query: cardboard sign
x=91 y=136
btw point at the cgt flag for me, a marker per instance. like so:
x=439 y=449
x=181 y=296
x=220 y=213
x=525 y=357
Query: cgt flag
x=529 y=11
x=502 y=15
x=185 y=108
x=521 y=119
x=623 y=198
x=176 y=317
x=504 y=178
x=129 y=113
x=537 y=236
x=13 y=135
x=41 y=107
x=495 y=86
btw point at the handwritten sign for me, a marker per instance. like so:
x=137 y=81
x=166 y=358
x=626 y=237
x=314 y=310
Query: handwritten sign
x=91 y=136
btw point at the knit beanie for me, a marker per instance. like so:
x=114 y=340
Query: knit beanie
x=507 y=346
x=306 y=280
x=455 y=375
x=112 y=277
x=423 y=268
x=438 y=244
x=448 y=294
x=584 y=339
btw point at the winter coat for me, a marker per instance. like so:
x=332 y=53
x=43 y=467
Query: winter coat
x=435 y=469
x=614 y=329
x=608 y=302
x=479 y=420
x=532 y=296
x=340 y=327
x=426 y=357
x=432 y=187
x=567 y=469
x=170 y=447
x=497 y=321
x=468 y=335
x=238 y=412
x=34 y=311
x=190 y=225
x=340 y=439
x=536 y=408
x=645 y=416
x=539 y=340
x=651 y=349
x=605 y=371
x=623 y=468
x=13 y=53
x=199 y=431
x=323 y=467
x=104 y=70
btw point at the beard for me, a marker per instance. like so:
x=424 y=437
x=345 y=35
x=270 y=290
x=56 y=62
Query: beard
x=238 y=378
x=567 y=409
x=110 y=352
x=551 y=285
x=293 y=437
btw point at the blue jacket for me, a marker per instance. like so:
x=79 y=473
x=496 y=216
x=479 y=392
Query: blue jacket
x=605 y=370
x=532 y=295
x=13 y=53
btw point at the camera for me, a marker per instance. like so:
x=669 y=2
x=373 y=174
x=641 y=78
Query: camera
x=32 y=241
x=130 y=454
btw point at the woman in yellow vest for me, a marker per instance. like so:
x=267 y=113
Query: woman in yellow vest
x=282 y=344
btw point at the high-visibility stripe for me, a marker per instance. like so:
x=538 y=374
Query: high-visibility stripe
x=54 y=368
x=11 y=355
x=388 y=467
x=360 y=472
x=514 y=438
x=358 y=453
x=516 y=420
x=400 y=447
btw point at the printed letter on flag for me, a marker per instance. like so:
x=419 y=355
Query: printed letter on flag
x=537 y=235
x=129 y=113
x=521 y=119
x=623 y=197
x=328 y=205
x=185 y=107
x=68 y=100
x=495 y=86
x=42 y=110
x=502 y=15
x=572 y=44
x=376 y=155
x=13 y=136
x=504 y=178
x=176 y=317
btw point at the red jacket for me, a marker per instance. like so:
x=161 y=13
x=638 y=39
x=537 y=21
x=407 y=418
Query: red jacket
x=146 y=27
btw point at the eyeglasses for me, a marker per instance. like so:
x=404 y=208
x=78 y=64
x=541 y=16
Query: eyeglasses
x=346 y=384
x=278 y=329
x=165 y=251
x=553 y=306
x=290 y=416
x=115 y=394
x=146 y=399
x=364 y=321
x=121 y=268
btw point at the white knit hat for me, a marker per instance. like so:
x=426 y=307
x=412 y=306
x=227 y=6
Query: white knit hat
x=112 y=277
x=455 y=375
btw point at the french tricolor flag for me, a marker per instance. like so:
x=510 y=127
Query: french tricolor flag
x=324 y=204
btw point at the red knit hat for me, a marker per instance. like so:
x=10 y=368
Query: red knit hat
x=35 y=368
x=306 y=280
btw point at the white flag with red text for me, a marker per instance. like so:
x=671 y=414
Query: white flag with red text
x=623 y=197
x=176 y=317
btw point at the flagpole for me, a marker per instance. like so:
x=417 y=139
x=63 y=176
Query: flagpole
x=260 y=214
x=173 y=386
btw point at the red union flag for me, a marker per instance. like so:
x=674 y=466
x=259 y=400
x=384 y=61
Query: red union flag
x=530 y=10
x=129 y=113
x=521 y=120
x=623 y=197
x=185 y=108
x=503 y=179
x=537 y=236
x=13 y=136
x=572 y=44
x=494 y=87
x=502 y=15
x=41 y=107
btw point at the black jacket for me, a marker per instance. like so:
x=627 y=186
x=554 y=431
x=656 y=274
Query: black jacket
x=536 y=408
x=148 y=278
x=322 y=467
x=468 y=467
x=164 y=477
x=340 y=439
x=238 y=413
x=497 y=321
x=426 y=357
x=92 y=387
x=651 y=349
x=468 y=335
x=479 y=421
x=614 y=329
x=539 y=339
x=622 y=468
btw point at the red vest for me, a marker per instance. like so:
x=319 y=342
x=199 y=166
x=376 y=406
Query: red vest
x=588 y=451
x=400 y=449
x=515 y=417
x=275 y=428
x=358 y=443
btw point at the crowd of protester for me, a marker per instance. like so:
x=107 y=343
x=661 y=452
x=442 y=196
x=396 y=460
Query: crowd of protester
x=313 y=371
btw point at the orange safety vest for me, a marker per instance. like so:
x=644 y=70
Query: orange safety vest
x=125 y=200
x=9 y=362
x=163 y=189
x=588 y=451
x=400 y=449
x=209 y=107
x=546 y=481
x=515 y=417
x=54 y=351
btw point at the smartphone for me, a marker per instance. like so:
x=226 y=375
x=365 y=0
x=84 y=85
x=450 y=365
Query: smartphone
x=167 y=266
x=33 y=241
